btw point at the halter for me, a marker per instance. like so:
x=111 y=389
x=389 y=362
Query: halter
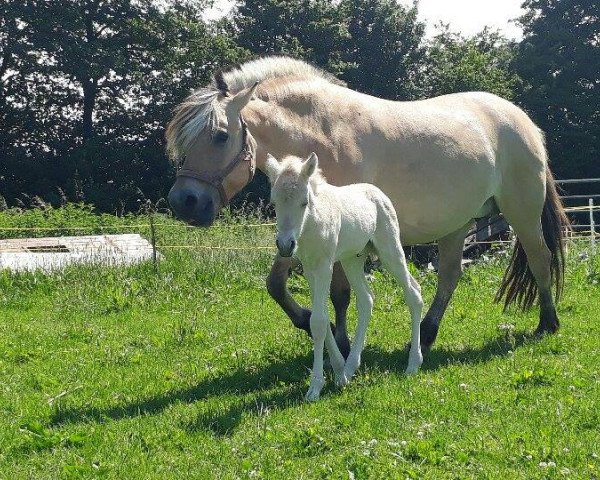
x=215 y=179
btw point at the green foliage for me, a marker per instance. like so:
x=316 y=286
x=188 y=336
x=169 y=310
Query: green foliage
x=384 y=54
x=87 y=86
x=559 y=61
x=480 y=63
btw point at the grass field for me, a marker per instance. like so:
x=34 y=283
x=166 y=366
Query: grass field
x=194 y=372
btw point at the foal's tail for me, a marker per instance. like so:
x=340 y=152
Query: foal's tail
x=518 y=285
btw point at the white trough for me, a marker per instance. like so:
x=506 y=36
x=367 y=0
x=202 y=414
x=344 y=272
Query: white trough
x=54 y=253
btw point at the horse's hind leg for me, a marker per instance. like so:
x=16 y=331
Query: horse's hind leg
x=392 y=256
x=354 y=268
x=450 y=250
x=528 y=228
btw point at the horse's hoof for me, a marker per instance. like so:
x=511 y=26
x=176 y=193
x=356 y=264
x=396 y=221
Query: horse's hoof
x=542 y=330
x=411 y=370
x=548 y=322
x=429 y=331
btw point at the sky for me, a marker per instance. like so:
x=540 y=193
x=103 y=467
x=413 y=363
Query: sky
x=465 y=16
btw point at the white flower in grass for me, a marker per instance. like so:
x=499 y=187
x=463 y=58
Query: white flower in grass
x=463 y=386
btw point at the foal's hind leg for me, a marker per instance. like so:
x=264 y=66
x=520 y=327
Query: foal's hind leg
x=392 y=256
x=450 y=258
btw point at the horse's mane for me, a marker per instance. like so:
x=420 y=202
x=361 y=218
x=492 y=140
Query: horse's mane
x=200 y=110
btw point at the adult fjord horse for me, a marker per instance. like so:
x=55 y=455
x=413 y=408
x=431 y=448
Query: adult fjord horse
x=443 y=162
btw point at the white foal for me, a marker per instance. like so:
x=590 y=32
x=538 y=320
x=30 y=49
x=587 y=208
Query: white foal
x=322 y=224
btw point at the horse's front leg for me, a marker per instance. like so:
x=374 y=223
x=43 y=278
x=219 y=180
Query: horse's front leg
x=319 y=280
x=276 y=286
x=340 y=297
x=300 y=317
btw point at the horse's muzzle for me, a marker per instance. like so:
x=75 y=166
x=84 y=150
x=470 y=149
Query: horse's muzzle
x=195 y=208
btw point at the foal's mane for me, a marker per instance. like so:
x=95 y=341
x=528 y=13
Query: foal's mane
x=202 y=108
x=290 y=169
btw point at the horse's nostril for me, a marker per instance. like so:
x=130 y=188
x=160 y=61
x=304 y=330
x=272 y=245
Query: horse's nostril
x=190 y=201
x=293 y=244
x=208 y=206
x=277 y=244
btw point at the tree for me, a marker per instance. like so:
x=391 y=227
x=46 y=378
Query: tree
x=559 y=61
x=308 y=29
x=98 y=83
x=383 y=53
x=479 y=63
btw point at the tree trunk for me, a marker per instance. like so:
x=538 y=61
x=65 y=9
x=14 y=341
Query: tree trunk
x=89 y=101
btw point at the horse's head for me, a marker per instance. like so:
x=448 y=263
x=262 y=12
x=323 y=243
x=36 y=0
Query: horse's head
x=214 y=150
x=291 y=195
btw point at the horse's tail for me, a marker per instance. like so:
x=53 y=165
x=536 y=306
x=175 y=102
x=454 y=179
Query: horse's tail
x=518 y=285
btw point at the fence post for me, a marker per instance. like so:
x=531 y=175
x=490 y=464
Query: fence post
x=592 y=229
x=150 y=211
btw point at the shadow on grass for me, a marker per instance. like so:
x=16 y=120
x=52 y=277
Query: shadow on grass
x=277 y=386
x=441 y=356
x=291 y=370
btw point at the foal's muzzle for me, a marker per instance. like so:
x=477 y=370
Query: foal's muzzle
x=286 y=248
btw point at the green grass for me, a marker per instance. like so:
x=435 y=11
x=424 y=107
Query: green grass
x=194 y=372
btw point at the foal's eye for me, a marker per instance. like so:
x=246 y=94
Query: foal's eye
x=221 y=137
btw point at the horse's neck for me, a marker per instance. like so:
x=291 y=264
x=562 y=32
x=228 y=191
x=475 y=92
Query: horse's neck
x=292 y=127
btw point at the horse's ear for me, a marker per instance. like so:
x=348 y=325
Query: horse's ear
x=271 y=167
x=310 y=165
x=241 y=99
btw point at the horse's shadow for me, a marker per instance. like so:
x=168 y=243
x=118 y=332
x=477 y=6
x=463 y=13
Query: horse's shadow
x=277 y=386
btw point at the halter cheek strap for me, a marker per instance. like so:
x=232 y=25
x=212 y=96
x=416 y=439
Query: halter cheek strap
x=216 y=179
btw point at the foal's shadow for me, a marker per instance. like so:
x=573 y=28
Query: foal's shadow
x=277 y=386
x=289 y=371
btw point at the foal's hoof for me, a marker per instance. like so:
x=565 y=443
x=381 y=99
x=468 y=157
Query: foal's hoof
x=340 y=379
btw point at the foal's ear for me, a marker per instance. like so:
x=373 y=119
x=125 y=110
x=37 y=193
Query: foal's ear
x=310 y=165
x=241 y=99
x=271 y=167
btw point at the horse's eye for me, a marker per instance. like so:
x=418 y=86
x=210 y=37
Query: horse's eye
x=221 y=137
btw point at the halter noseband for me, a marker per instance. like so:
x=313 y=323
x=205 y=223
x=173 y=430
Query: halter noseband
x=215 y=179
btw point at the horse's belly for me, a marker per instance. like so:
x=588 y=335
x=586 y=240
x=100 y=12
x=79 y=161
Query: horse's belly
x=432 y=203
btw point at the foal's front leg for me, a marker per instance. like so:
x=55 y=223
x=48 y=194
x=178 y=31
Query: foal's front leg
x=319 y=280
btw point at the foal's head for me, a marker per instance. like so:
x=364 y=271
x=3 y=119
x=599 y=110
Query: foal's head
x=291 y=194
